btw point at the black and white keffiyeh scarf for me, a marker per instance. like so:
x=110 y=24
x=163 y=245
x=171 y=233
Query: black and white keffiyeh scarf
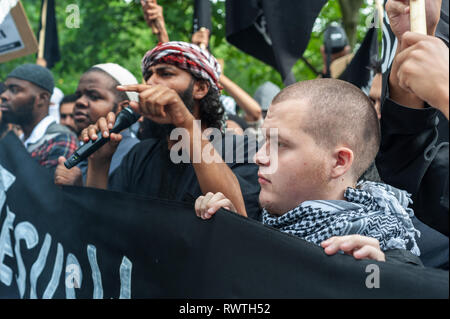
x=372 y=209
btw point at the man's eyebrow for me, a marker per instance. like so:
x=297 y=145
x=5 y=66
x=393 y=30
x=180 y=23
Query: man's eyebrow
x=276 y=134
x=93 y=90
x=282 y=139
x=164 y=67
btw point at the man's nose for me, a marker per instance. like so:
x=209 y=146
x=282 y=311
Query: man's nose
x=4 y=96
x=81 y=102
x=153 y=80
x=262 y=158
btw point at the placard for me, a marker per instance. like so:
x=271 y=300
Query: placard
x=16 y=37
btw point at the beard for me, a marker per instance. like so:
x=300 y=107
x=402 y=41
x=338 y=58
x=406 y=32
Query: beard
x=187 y=96
x=23 y=115
x=149 y=129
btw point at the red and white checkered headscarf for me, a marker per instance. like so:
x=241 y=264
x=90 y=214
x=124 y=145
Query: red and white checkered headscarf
x=189 y=57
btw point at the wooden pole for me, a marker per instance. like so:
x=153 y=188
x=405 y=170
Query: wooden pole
x=418 y=16
x=380 y=10
x=42 y=32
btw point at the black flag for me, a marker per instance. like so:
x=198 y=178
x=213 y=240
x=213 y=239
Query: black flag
x=202 y=15
x=358 y=71
x=276 y=32
x=51 y=48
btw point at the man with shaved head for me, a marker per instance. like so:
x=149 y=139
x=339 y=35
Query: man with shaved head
x=328 y=135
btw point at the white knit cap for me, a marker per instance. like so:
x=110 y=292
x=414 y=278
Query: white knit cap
x=121 y=75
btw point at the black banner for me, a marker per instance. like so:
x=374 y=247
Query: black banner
x=84 y=243
x=276 y=32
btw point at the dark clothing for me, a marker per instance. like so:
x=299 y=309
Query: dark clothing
x=442 y=28
x=149 y=170
x=371 y=174
x=402 y=256
x=412 y=158
x=3 y=129
x=434 y=246
x=127 y=143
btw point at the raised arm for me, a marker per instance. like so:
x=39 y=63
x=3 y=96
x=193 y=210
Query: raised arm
x=399 y=16
x=154 y=16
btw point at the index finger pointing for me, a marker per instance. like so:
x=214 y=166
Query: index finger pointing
x=133 y=88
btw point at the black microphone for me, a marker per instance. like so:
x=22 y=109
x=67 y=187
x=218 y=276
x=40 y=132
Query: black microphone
x=125 y=119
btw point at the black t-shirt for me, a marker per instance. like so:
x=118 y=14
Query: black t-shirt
x=149 y=171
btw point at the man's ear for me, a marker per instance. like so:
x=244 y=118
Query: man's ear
x=44 y=98
x=201 y=89
x=343 y=161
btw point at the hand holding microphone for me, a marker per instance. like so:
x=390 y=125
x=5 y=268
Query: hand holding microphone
x=106 y=144
x=156 y=102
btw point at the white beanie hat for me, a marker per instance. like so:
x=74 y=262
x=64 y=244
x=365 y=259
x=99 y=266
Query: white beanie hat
x=121 y=75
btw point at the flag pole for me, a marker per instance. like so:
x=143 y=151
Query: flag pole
x=418 y=16
x=42 y=31
x=380 y=10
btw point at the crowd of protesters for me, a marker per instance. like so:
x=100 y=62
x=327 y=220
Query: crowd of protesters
x=363 y=175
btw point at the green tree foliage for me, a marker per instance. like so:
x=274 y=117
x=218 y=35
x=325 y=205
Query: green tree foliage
x=115 y=31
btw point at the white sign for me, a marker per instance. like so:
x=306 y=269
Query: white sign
x=10 y=40
x=5 y=7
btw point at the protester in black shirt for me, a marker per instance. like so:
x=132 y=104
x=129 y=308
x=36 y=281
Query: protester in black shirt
x=414 y=147
x=96 y=96
x=413 y=154
x=181 y=87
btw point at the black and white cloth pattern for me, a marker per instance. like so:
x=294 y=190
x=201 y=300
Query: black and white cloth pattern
x=372 y=209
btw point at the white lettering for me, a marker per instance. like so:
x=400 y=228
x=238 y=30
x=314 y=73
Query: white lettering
x=27 y=232
x=39 y=265
x=125 y=278
x=57 y=270
x=6 y=273
x=96 y=275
